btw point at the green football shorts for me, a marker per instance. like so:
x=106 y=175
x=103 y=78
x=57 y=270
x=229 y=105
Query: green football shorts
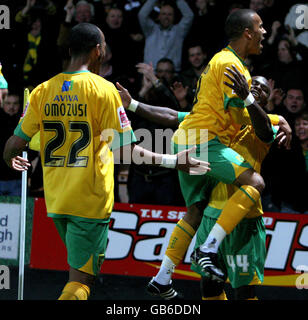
x=85 y=242
x=242 y=253
x=226 y=165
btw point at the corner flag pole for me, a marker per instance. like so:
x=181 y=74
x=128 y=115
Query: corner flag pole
x=22 y=225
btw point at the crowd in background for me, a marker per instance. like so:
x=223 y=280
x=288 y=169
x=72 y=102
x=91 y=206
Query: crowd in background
x=157 y=50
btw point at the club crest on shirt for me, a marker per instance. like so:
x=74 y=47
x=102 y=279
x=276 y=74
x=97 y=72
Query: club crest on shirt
x=67 y=86
x=124 y=122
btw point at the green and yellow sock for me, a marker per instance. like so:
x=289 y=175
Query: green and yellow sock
x=237 y=207
x=179 y=241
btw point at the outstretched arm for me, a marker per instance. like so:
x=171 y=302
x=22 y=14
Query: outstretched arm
x=181 y=161
x=161 y=115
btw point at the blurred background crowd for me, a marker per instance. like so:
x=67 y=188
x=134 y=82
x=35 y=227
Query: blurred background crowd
x=157 y=49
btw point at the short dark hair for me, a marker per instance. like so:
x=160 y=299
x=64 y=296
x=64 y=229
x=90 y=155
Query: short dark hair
x=83 y=38
x=166 y=60
x=237 y=22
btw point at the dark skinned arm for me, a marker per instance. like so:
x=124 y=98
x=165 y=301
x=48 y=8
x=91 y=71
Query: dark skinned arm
x=161 y=115
x=259 y=119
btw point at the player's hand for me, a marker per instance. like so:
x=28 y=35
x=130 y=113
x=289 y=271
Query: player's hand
x=191 y=165
x=284 y=135
x=239 y=83
x=125 y=95
x=20 y=164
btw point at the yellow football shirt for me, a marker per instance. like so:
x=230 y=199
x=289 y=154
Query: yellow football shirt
x=249 y=146
x=72 y=111
x=216 y=107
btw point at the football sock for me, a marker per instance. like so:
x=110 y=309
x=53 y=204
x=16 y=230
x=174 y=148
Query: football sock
x=165 y=271
x=214 y=239
x=234 y=211
x=180 y=240
x=237 y=207
x=75 y=291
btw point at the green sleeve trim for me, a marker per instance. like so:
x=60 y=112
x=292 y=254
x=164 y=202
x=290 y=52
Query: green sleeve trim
x=76 y=218
x=3 y=82
x=233 y=102
x=122 y=139
x=275 y=131
x=18 y=132
x=181 y=116
x=234 y=52
x=248 y=195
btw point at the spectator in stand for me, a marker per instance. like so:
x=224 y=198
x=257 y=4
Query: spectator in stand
x=275 y=99
x=256 y=5
x=35 y=42
x=292 y=105
x=158 y=86
x=280 y=60
x=207 y=13
x=83 y=11
x=118 y=38
x=272 y=10
x=10 y=180
x=165 y=39
x=285 y=192
x=148 y=184
x=197 y=59
x=301 y=132
x=131 y=9
x=102 y=8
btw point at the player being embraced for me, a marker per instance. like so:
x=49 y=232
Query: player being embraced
x=80 y=118
x=245 y=143
x=218 y=114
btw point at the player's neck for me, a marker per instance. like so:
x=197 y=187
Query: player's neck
x=240 y=48
x=78 y=64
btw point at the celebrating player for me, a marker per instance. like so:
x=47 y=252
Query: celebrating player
x=80 y=118
x=161 y=284
x=222 y=112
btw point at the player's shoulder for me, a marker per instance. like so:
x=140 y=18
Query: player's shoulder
x=227 y=57
x=99 y=78
x=101 y=83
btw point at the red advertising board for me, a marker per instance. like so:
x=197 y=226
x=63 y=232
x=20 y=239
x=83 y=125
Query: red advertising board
x=139 y=235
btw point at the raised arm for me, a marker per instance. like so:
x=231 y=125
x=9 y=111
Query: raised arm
x=145 y=21
x=161 y=115
x=187 y=15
